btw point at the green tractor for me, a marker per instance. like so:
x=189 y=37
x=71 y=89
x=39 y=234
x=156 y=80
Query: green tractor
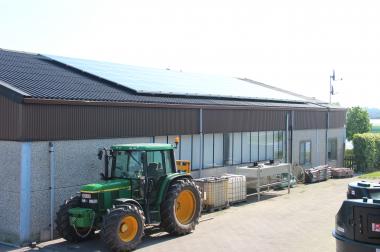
x=141 y=189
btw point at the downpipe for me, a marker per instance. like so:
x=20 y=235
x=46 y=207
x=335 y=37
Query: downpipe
x=327 y=135
x=52 y=187
x=201 y=141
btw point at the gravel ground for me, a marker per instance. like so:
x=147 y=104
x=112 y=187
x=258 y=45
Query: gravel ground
x=300 y=221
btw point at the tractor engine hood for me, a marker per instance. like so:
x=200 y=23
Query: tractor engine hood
x=109 y=185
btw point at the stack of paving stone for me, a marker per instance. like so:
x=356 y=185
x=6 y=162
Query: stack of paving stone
x=342 y=172
x=317 y=174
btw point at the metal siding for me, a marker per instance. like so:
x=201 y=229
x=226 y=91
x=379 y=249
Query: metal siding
x=56 y=122
x=337 y=119
x=310 y=120
x=242 y=120
x=10 y=119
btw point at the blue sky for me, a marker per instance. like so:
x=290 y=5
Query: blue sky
x=290 y=44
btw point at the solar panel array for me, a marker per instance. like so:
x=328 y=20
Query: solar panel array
x=169 y=82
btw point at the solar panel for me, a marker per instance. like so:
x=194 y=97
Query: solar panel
x=162 y=81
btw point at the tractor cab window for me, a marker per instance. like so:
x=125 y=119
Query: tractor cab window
x=169 y=162
x=155 y=164
x=159 y=163
x=127 y=164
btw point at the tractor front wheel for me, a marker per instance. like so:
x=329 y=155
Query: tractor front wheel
x=64 y=228
x=123 y=228
x=181 y=209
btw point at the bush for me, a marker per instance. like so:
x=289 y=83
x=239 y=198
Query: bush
x=357 y=122
x=367 y=151
x=377 y=158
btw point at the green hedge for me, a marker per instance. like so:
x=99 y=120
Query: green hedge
x=367 y=151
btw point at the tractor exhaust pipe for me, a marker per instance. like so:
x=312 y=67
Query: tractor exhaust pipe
x=107 y=155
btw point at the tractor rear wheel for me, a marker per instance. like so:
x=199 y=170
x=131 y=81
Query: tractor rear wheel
x=181 y=209
x=123 y=228
x=64 y=228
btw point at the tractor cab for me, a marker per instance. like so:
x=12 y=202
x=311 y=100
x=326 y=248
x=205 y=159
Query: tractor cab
x=146 y=166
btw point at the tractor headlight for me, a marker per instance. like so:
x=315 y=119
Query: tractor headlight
x=93 y=201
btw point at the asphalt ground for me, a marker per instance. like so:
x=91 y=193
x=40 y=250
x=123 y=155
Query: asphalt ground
x=300 y=221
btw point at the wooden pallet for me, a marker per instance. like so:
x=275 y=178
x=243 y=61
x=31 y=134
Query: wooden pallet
x=238 y=202
x=208 y=209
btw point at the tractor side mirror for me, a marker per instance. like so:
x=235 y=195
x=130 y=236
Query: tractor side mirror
x=143 y=157
x=102 y=176
x=100 y=153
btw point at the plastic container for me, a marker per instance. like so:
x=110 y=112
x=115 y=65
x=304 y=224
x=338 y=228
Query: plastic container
x=214 y=192
x=237 y=188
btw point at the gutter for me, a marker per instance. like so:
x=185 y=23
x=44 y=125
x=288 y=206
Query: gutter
x=327 y=129
x=258 y=105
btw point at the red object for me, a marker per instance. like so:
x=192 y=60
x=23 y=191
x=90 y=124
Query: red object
x=375 y=227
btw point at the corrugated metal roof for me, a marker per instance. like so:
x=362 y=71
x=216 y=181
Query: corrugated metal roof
x=39 y=77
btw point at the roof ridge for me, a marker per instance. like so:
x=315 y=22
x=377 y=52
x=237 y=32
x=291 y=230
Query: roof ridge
x=21 y=52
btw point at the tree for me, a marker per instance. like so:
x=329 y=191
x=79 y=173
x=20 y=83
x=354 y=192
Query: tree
x=357 y=122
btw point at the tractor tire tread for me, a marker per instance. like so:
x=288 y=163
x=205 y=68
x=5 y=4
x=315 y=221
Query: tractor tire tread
x=110 y=226
x=168 y=220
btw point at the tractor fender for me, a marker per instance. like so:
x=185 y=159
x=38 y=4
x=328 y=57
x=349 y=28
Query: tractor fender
x=167 y=182
x=123 y=201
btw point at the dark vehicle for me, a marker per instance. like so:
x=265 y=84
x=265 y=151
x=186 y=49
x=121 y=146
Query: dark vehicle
x=360 y=189
x=357 y=226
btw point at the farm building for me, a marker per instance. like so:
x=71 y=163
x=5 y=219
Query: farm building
x=56 y=112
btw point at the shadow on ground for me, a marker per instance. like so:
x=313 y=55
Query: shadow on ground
x=152 y=237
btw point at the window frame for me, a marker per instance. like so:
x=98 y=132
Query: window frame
x=335 y=139
x=305 y=163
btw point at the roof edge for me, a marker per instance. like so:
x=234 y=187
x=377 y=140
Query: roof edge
x=158 y=105
x=14 y=89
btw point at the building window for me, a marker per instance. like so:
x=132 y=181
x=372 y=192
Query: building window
x=270 y=145
x=332 y=148
x=254 y=146
x=208 y=150
x=305 y=153
x=246 y=148
x=278 y=145
x=185 y=147
x=262 y=146
x=227 y=148
x=218 y=149
x=196 y=154
x=236 y=154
